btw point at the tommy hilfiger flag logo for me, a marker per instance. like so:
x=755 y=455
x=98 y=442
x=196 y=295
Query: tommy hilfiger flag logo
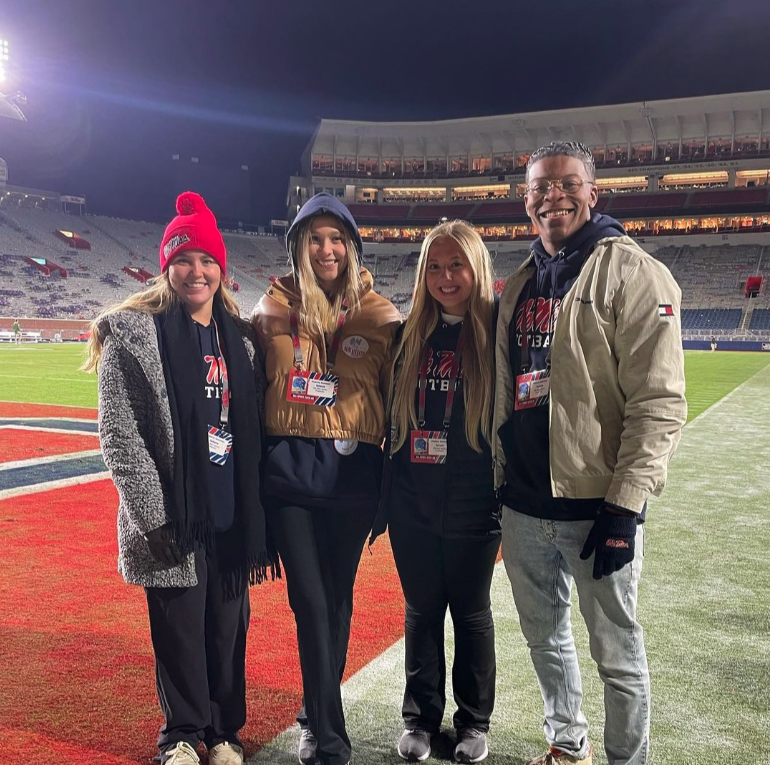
x=665 y=309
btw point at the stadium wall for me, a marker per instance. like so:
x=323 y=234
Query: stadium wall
x=69 y=329
x=726 y=345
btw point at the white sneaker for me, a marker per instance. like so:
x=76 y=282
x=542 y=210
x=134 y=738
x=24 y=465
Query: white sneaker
x=181 y=754
x=226 y=754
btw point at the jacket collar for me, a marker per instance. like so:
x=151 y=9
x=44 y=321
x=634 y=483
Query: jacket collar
x=135 y=331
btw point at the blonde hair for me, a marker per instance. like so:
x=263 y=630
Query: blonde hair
x=477 y=352
x=157 y=298
x=320 y=311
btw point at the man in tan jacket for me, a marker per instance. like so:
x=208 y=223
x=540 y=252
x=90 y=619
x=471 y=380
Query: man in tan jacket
x=588 y=409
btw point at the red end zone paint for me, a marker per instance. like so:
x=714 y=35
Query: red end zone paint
x=77 y=662
x=14 y=409
x=19 y=444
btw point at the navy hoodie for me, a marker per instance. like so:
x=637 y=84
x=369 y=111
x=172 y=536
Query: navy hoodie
x=525 y=436
x=324 y=204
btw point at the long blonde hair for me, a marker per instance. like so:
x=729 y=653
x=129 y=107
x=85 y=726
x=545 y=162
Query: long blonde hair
x=157 y=298
x=320 y=311
x=478 y=349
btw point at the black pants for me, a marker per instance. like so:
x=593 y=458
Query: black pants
x=199 y=639
x=320 y=550
x=437 y=573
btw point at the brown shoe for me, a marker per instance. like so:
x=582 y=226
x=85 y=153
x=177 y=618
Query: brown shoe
x=555 y=756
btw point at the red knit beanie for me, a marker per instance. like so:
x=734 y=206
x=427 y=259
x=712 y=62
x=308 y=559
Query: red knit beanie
x=194 y=228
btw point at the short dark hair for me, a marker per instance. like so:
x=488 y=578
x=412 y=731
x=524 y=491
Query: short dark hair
x=564 y=149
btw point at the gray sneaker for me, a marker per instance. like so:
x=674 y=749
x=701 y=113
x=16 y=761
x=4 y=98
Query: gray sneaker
x=308 y=744
x=414 y=745
x=471 y=745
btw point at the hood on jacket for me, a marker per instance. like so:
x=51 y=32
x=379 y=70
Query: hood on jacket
x=323 y=204
x=286 y=290
x=555 y=273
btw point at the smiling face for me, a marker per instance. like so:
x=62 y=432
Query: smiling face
x=195 y=277
x=557 y=215
x=328 y=253
x=449 y=276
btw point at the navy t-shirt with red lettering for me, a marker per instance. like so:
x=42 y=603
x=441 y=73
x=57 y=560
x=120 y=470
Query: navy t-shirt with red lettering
x=221 y=483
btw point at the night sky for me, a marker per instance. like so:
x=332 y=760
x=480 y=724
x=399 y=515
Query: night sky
x=115 y=88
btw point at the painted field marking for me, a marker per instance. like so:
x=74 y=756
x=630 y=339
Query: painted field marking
x=378 y=687
x=50 y=485
x=32 y=461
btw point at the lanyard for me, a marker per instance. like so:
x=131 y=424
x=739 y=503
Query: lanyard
x=331 y=354
x=454 y=376
x=224 y=411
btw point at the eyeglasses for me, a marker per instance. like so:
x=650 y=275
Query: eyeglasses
x=568 y=185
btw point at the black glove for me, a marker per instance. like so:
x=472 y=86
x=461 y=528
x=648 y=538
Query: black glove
x=611 y=540
x=162 y=547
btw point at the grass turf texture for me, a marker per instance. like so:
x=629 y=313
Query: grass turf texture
x=32 y=444
x=77 y=669
x=77 y=666
x=46 y=374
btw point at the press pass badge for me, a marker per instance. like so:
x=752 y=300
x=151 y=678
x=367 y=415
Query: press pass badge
x=220 y=444
x=314 y=388
x=429 y=447
x=532 y=389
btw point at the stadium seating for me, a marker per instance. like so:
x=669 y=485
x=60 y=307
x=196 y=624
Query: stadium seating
x=499 y=211
x=382 y=212
x=734 y=198
x=434 y=213
x=712 y=277
x=760 y=320
x=710 y=318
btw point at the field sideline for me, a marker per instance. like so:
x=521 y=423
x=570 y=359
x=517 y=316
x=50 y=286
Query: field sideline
x=49 y=374
x=704 y=597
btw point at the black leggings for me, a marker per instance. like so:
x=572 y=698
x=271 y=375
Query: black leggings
x=320 y=550
x=437 y=573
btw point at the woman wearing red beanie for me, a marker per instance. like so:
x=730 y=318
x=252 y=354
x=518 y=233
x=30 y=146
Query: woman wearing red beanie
x=326 y=336
x=180 y=394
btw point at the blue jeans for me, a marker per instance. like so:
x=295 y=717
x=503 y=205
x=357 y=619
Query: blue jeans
x=542 y=558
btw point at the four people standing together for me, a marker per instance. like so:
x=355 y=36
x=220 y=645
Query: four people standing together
x=573 y=392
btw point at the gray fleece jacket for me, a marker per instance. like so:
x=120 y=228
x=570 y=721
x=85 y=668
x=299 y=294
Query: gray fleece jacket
x=137 y=441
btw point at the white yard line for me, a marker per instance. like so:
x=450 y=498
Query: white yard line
x=380 y=684
x=58 y=406
x=32 y=461
x=50 y=485
x=42 y=429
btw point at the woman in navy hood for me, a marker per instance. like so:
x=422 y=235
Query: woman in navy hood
x=326 y=335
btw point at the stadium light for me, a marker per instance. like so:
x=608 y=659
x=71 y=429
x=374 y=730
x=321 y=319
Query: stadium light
x=3 y=59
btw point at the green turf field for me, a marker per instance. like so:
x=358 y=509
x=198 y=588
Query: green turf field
x=710 y=376
x=48 y=374
x=703 y=598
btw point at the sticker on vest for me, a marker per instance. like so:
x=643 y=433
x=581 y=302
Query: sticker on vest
x=532 y=389
x=429 y=446
x=220 y=444
x=312 y=388
x=355 y=346
x=345 y=446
